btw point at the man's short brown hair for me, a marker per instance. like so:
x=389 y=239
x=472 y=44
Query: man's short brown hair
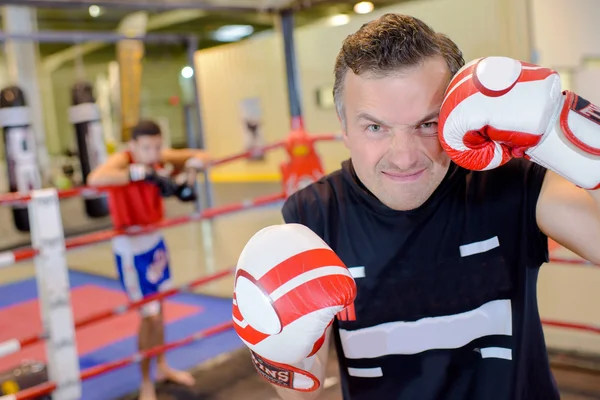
x=390 y=44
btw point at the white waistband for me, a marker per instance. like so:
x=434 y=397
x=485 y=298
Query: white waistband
x=135 y=244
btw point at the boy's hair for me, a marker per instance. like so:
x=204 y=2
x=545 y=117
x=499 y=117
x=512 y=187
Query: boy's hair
x=145 y=128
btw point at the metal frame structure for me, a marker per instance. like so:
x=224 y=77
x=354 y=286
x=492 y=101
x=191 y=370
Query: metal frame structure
x=99 y=36
x=150 y=5
x=164 y=5
x=291 y=68
x=194 y=134
x=191 y=41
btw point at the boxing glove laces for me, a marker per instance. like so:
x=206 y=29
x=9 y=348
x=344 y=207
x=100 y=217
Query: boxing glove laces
x=289 y=285
x=496 y=108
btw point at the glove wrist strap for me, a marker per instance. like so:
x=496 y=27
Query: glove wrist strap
x=284 y=375
x=571 y=145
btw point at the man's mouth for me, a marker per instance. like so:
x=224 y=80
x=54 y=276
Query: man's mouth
x=410 y=176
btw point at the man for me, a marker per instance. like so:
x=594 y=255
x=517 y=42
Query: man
x=138 y=180
x=442 y=230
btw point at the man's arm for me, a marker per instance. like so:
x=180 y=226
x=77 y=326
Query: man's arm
x=178 y=157
x=114 y=172
x=527 y=114
x=570 y=216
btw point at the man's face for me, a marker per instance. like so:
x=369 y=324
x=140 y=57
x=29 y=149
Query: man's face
x=391 y=132
x=146 y=149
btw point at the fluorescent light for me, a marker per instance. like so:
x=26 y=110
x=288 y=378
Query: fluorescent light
x=339 y=20
x=364 y=7
x=94 y=11
x=187 y=72
x=231 y=33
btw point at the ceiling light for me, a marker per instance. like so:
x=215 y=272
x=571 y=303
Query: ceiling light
x=339 y=20
x=231 y=33
x=187 y=72
x=95 y=11
x=364 y=7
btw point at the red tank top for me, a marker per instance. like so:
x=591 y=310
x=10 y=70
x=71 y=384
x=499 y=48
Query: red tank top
x=138 y=203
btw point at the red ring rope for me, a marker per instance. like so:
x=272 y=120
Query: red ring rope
x=325 y=137
x=246 y=154
x=33 y=339
x=206 y=214
x=10 y=257
x=572 y=261
x=15 y=198
x=48 y=387
x=575 y=326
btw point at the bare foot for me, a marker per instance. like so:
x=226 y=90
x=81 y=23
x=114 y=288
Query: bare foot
x=147 y=391
x=181 y=377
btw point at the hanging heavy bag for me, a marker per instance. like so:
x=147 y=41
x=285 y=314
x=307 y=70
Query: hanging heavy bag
x=19 y=149
x=85 y=117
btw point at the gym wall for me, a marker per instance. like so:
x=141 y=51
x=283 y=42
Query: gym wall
x=565 y=32
x=565 y=36
x=160 y=80
x=255 y=68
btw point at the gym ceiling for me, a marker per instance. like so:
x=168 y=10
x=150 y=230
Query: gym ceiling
x=202 y=18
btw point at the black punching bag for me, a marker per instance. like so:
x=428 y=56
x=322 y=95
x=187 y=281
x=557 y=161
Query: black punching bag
x=19 y=150
x=85 y=116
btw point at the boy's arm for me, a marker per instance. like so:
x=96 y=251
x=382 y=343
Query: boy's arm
x=178 y=158
x=117 y=171
x=114 y=172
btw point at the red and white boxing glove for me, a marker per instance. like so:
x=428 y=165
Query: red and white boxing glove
x=289 y=285
x=496 y=108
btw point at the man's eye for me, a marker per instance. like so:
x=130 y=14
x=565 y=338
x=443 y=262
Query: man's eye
x=374 y=128
x=429 y=128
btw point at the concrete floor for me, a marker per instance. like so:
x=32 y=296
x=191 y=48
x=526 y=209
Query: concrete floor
x=198 y=249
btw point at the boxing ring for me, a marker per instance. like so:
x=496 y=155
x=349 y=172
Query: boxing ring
x=49 y=245
x=48 y=252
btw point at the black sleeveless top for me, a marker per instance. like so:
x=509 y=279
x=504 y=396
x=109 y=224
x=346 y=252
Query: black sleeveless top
x=446 y=306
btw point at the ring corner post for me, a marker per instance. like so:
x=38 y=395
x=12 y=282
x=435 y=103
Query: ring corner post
x=195 y=126
x=47 y=238
x=304 y=165
x=287 y=22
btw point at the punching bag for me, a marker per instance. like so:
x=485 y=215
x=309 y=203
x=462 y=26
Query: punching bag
x=19 y=150
x=85 y=116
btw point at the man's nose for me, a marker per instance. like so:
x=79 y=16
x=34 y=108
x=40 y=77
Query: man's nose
x=404 y=150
